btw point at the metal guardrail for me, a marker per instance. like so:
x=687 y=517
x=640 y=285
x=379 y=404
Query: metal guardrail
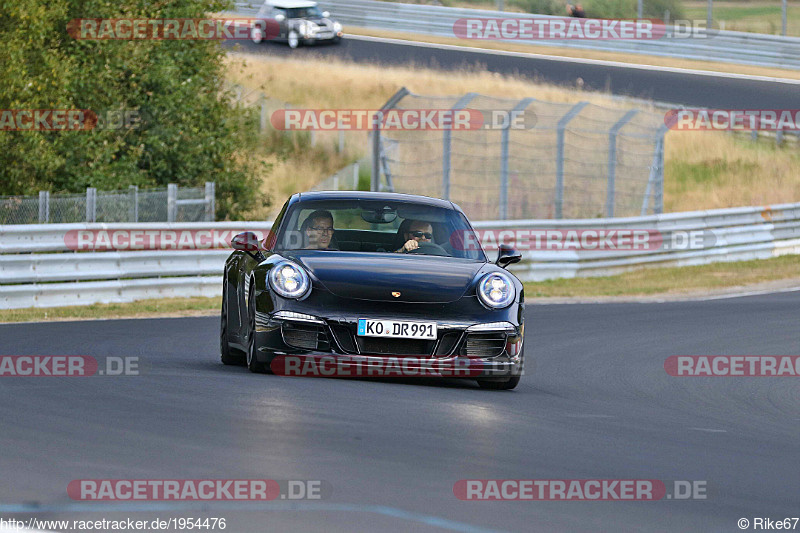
x=723 y=46
x=61 y=277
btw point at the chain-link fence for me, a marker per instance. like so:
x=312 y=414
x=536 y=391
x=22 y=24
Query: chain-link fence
x=170 y=204
x=539 y=160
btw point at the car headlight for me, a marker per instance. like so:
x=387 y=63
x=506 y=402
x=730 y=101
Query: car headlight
x=496 y=290
x=289 y=280
x=337 y=26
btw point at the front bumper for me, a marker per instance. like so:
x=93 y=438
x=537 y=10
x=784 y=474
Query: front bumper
x=331 y=347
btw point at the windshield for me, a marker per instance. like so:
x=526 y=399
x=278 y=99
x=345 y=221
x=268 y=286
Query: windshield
x=378 y=226
x=304 y=13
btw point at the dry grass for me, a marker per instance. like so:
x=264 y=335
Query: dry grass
x=704 y=170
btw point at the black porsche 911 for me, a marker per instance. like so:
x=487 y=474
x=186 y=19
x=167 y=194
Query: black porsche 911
x=366 y=276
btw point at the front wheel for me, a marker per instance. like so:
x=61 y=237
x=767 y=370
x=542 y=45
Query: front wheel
x=252 y=361
x=228 y=355
x=294 y=40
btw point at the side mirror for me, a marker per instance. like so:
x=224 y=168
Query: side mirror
x=507 y=256
x=326 y=14
x=280 y=18
x=247 y=242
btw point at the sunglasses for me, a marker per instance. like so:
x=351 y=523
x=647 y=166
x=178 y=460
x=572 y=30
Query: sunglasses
x=419 y=234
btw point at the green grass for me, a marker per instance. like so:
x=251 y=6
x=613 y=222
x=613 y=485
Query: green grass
x=673 y=280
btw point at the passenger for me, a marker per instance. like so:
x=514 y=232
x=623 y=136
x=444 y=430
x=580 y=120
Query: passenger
x=318 y=230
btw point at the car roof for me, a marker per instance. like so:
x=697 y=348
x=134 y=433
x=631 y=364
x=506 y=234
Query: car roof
x=289 y=4
x=369 y=195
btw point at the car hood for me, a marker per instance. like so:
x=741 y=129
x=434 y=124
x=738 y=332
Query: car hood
x=375 y=277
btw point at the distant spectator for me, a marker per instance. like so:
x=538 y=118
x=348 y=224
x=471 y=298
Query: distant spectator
x=576 y=11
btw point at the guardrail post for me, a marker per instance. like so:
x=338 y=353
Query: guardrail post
x=640 y=10
x=91 y=204
x=262 y=119
x=612 y=160
x=446 y=140
x=521 y=106
x=210 y=201
x=355 y=176
x=709 y=14
x=779 y=137
x=44 y=207
x=172 y=202
x=659 y=207
x=341 y=138
x=134 y=209
x=562 y=125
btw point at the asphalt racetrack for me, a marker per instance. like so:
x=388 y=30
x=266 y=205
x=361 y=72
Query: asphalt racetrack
x=597 y=404
x=716 y=91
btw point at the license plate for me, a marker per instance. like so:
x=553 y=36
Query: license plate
x=399 y=329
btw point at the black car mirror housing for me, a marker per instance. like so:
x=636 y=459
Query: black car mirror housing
x=507 y=255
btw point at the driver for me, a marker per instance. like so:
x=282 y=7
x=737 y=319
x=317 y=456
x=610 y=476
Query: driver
x=418 y=231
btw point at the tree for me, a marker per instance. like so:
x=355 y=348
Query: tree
x=189 y=130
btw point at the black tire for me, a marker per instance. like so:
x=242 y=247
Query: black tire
x=252 y=362
x=512 y=382
x=228 y=355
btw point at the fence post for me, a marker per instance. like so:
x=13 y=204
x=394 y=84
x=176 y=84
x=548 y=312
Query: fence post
x=91 y=204
x=612 y=160
x=562 y=125
x=375 y=176
x=341 y=138
x=783 y=18
x=446 y=140
x=134 y=210
x=656 y=176
x=262 y=121
x=172 y=202
x=210 y=201
x=521 y=106
x=44 y=207
x=355 y=176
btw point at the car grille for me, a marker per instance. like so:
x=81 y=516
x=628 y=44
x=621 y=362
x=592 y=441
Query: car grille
x=305 y=337
x=382 y=346
x=484 y=344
